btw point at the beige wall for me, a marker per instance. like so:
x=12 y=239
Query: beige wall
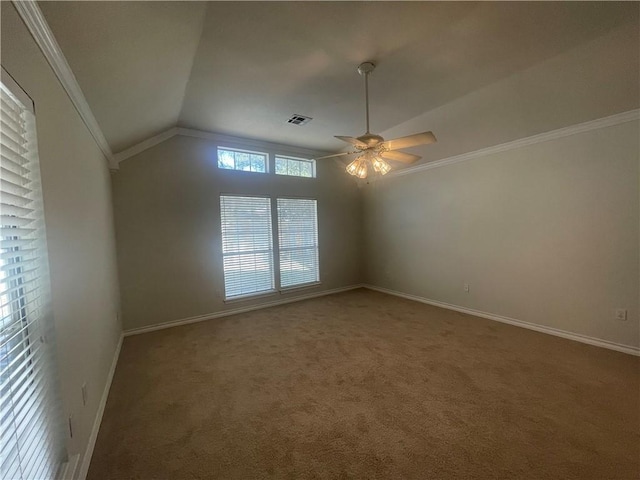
x=167 y=211
x=77 y=203
x=546 y=234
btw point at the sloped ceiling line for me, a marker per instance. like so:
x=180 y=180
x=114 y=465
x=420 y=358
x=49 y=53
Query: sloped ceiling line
x=144 y=145
x=228 y=140
x=617 y=119
x=42 y=34
x=604 y=122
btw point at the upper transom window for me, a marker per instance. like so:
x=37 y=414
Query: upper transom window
x=244 y=160
x=296 y=167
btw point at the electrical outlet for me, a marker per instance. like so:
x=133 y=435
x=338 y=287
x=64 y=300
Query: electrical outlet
x=466 y=287
x=84 y=394
x=621 y=314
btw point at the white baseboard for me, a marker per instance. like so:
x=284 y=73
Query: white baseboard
x=86 y=459
x=69 y=468
x=629 y=349
x=235 y=311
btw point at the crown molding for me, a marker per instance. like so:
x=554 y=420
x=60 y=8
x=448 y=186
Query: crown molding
x=217 y=138
x=144 y=145
x=233 y=141
x=603 y=122
x=39 y=28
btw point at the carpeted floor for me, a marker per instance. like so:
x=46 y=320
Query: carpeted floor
x=368 y=386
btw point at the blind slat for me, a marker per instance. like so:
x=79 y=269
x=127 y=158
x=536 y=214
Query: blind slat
x=15 y=210
x=10 y=176
x=11 y=220
x=13 y=162
x=12 y=130
x=15 y=188
x=16 y=242
x=12 y=199
x=17 y=148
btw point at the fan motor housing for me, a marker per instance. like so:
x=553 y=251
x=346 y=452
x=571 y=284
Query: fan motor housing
x=371 y=139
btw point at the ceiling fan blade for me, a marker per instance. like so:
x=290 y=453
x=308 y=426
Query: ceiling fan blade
x=336 y=155
x=352 y=141
x=400 y=156
x=423 y=138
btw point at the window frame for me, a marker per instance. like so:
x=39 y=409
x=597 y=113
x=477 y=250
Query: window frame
x=310 y=161
x=317 y=246
x=266 y=155
x=26 y=299
x=275 y=252
x=274 y=279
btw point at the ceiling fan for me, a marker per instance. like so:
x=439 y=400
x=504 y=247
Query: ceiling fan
x=374 y=150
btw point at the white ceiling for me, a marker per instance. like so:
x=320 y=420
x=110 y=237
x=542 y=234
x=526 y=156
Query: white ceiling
x=243 y=68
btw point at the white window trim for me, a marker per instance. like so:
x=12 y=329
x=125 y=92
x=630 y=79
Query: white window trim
x=267 y=160
x=17 y=90
x=299 y=159
x=251 y=296
x=277 y=234
x=302 y=286
x=261 y=293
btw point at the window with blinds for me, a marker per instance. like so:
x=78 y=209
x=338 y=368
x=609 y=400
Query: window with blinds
x=247 y=245
x=298 y=241
x=31 y=434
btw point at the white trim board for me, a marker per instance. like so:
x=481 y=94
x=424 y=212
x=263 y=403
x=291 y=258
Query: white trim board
x=610 y=121
x=145 y=145
x=39 y=28
x=69 y=468
x=88 y=453
x=218 y=138
x=233 y=141
x=629 y=349
x=235 y=311
x=291 y=150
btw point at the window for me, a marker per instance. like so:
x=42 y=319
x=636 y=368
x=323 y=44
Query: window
x=247 y=245
x=298 y=241
x=296 y=167
x=242 y=160
x=31 y=436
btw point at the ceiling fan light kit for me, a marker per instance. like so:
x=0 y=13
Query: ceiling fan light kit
x=373 y=150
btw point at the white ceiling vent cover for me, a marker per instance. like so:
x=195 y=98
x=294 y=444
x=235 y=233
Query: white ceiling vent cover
x=299 y=119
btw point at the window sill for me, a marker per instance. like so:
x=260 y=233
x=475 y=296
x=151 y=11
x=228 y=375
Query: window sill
x=303 y=286
x=250 y=296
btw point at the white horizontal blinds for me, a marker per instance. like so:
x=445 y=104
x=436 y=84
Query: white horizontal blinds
x=247 y=245
x=298 y=241
x=296 y=167
x=31 y=435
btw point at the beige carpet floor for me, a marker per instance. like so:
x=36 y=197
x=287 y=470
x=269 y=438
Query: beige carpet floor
x=369 y=386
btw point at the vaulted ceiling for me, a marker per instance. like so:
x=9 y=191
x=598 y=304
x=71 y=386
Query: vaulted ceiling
x=243 y=68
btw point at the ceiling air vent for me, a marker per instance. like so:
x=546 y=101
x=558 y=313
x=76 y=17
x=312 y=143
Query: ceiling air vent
x=299 y=119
